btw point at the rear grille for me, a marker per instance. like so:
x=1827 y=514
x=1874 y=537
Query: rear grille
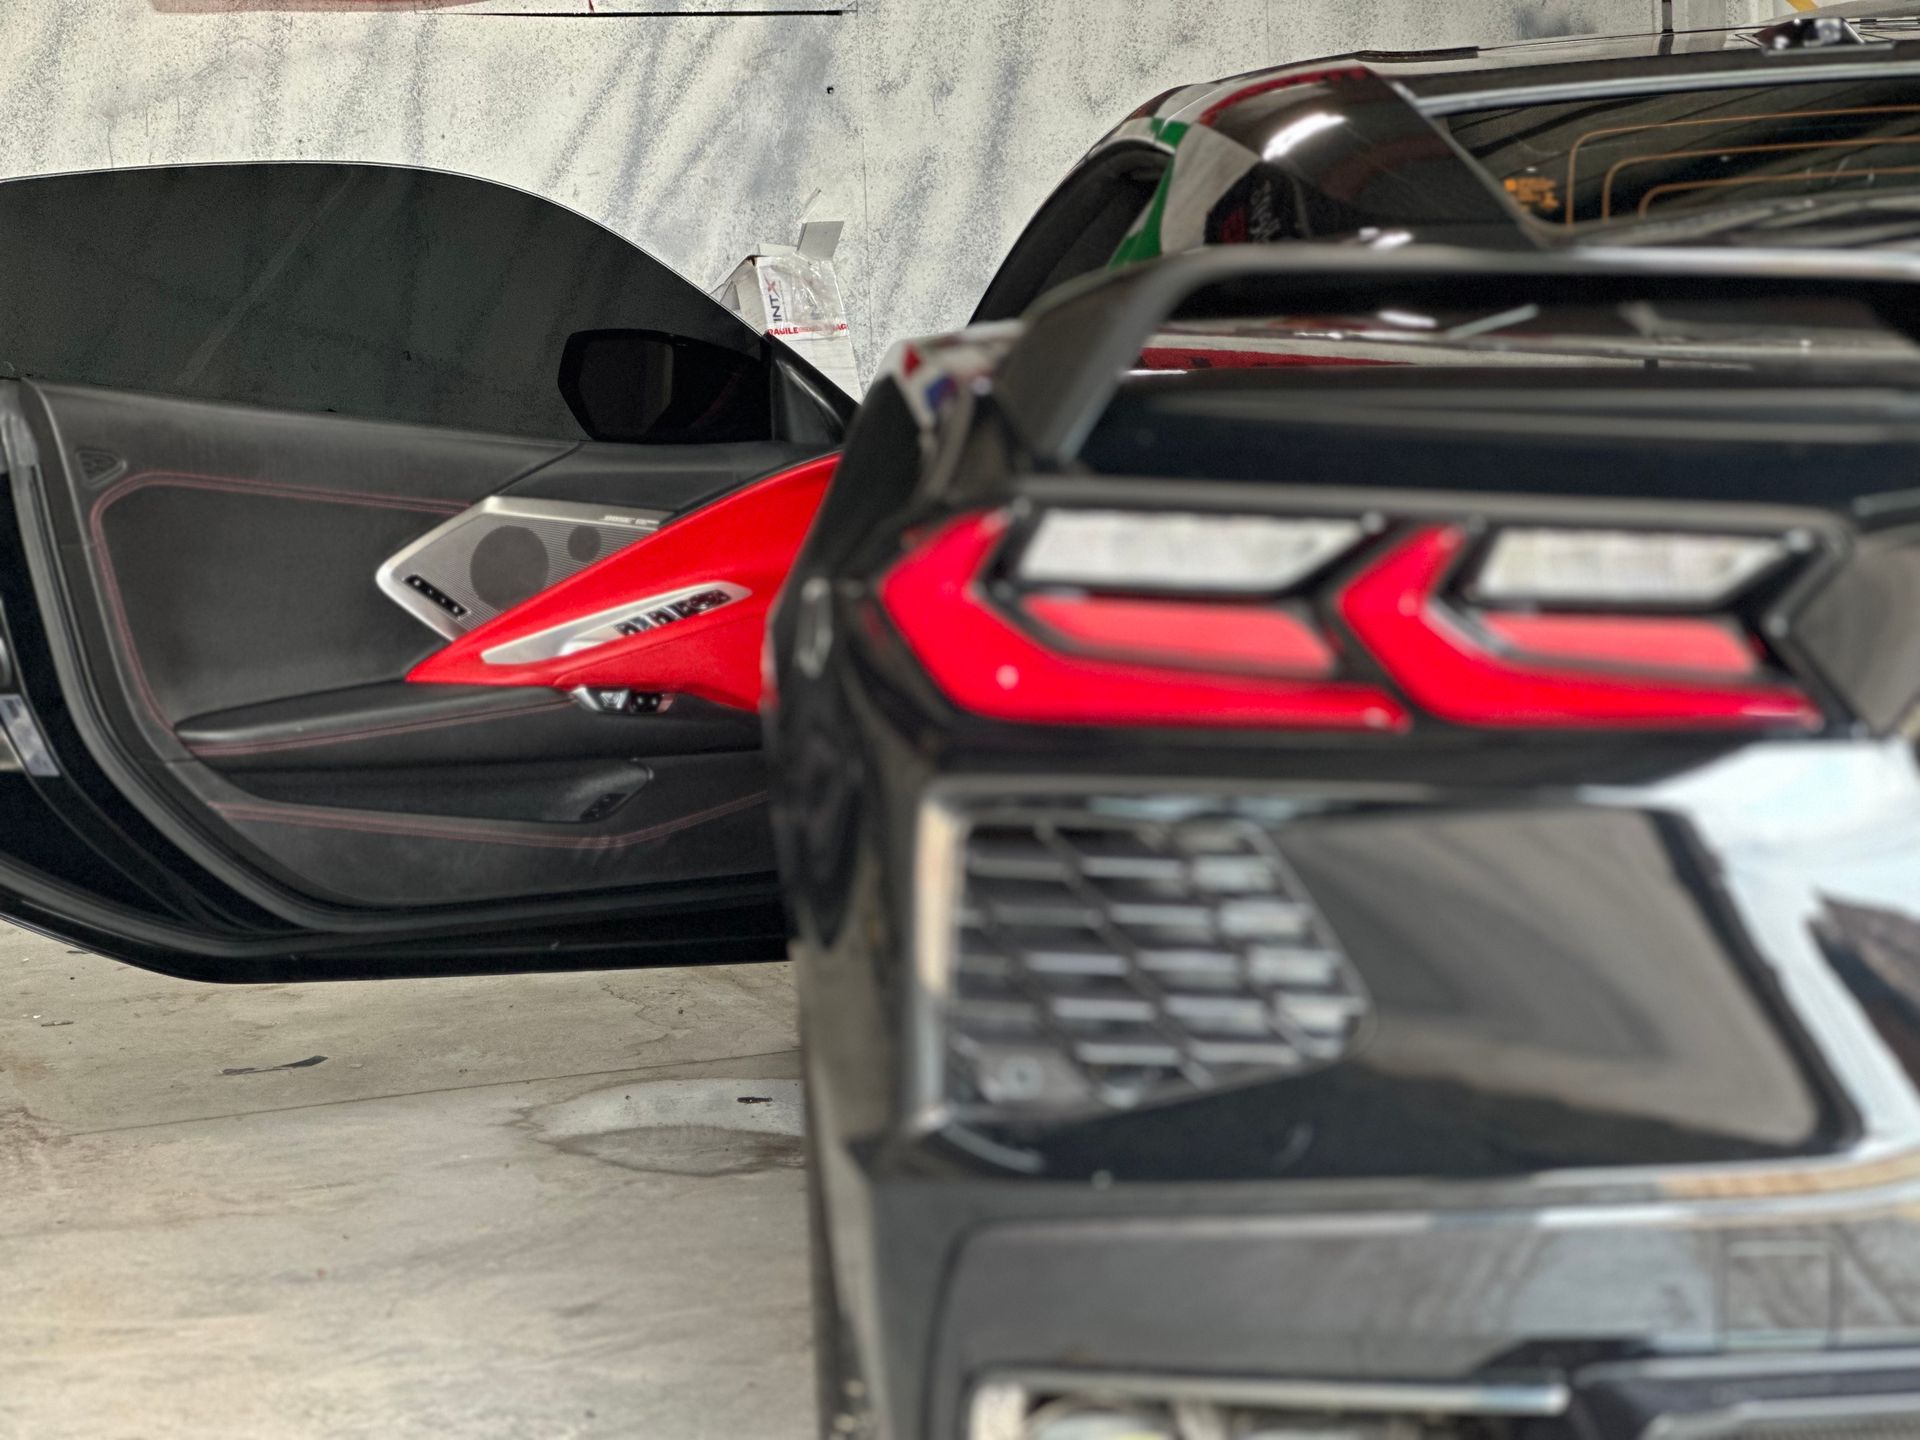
x=1103 y=961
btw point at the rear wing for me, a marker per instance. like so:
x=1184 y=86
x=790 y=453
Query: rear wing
x=1061 y=374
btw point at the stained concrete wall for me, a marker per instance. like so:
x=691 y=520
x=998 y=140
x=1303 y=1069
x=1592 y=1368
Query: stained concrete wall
x=932 y=127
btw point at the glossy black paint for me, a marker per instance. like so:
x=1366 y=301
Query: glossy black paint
x=1343 y=154
x=1554 y=929
x=1468 y=145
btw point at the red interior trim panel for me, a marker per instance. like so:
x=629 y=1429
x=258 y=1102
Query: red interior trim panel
x=682 y=611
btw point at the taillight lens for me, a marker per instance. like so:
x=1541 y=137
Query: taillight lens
x=1181 y=632
x=1112 y=617
x=1077 y=665
x=1681 y=645
x=1204 y=554
x=1395 y=608
x=1634 y=567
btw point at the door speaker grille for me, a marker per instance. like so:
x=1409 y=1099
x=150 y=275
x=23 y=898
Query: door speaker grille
x=488 y=559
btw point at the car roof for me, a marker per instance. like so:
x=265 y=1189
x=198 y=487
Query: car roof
x=1445 y=80
x=1409 y=91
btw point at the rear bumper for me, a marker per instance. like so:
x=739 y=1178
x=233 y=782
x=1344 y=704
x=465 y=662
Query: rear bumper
x=1749 y=1395
x=1635 y=1120
x=1587 y=1319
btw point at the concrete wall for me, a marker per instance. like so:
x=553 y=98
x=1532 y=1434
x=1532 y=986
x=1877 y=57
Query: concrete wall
x=932 y=127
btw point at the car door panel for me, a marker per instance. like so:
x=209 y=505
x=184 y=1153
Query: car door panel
x=220 y=581
x=233 y=559
x=733 y=553
x=693 y=818
x=399 y=724
x=275 y=435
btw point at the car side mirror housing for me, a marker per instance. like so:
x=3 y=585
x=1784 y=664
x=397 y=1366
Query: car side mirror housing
x=648 y=387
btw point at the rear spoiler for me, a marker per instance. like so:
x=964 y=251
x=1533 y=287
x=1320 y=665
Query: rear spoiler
x=1060 y=375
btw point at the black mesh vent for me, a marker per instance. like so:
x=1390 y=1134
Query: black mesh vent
x=1102 y=962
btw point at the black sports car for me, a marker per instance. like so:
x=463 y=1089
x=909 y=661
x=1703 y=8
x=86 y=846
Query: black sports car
x=1372 y=889
x=1369 y=899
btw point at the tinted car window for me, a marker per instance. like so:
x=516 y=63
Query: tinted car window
x=1571 y=162
x=1077 y=230
x=374 y=291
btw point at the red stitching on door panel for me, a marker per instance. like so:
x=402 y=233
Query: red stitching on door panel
x=340 y=737
x=368 y=824
x=188 y=481
x=277 y=489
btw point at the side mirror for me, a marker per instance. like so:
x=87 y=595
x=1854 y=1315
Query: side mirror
x=643 y=387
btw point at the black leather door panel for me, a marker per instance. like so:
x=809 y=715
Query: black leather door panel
x=398 y=724
x=234 y=554
x=549 y=792
x=356 y=724
x=162 y=432
x=699 y=816
x=216 y=572
x=226 y=594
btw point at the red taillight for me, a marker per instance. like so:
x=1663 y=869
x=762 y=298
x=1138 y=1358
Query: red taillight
x=1710 y=649
x=987 y=664
x=1187 y=632
x=1113 y=617
x=1394 y=610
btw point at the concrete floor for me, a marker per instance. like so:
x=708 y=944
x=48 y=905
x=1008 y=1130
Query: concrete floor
x=545 y=1206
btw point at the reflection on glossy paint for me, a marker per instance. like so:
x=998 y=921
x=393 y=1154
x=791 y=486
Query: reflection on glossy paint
x=1796 y=830
x=1295 y=131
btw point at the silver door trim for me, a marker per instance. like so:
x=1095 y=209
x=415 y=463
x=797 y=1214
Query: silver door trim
x=389 y=577
x=566 y=638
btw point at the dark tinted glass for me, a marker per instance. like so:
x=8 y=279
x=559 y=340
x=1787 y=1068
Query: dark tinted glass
x=646 y=387
x=372 y=291
x=1684 y=152
x=1077 y=230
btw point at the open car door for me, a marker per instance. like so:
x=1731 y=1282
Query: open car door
x=382 y=578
